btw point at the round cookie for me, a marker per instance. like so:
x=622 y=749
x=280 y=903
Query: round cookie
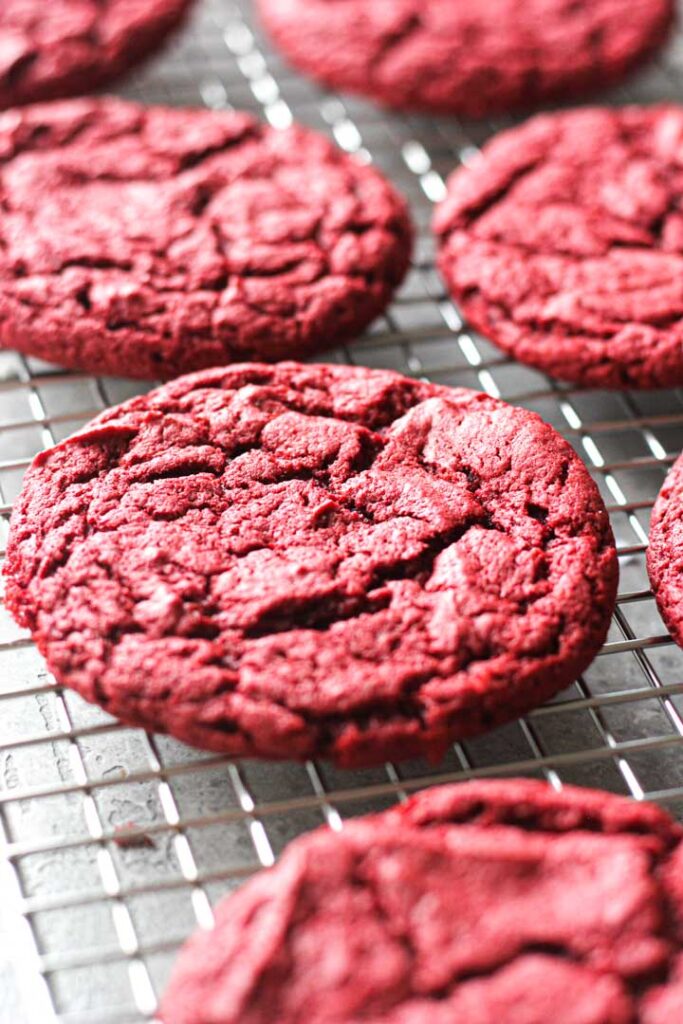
x=486 y=902
x=563 y=244
x=55 y=48
x=295 y=560
x=149 y=241
x=665 y=551
x=472 y=59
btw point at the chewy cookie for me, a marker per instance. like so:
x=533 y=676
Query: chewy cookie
x=55 y=48
x=665 y=551
x=474 y=58
x=486 y=903
x=148 y=242
x=296 y=560
x=563 y=244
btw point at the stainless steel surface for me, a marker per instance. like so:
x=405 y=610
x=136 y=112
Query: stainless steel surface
x=114 y=844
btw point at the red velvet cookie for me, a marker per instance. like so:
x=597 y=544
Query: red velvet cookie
x=296 y=560
x=665 y=551
x=486 y=903
x=473 y=58
x=151 y=241
x=55 y=48
x=563 y=244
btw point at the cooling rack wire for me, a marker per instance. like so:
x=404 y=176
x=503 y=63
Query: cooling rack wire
x=115 y=844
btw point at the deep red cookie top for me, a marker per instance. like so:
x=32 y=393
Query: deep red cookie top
x=665 y=551
x=563 y=243
x=299 y=559
x=54 y=48
x=472 y=58
x=488 y=902
x=147 y=241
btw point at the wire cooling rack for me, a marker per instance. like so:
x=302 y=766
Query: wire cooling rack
x=115 y=844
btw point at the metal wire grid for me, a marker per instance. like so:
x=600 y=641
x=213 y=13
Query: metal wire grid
x=115 y=844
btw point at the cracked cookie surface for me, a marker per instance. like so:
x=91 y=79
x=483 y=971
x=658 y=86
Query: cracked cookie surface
x=148 y=242
x=665 y=551
x=563 y=244
x=473 y=58
x=298 y=560
x=55 y=48
x=484 y=902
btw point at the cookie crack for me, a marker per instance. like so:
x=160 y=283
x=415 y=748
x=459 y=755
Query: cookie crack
x=476 y=210
x=638 y=985
x=362 y=876
x=321 y=613
x=412 y=24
